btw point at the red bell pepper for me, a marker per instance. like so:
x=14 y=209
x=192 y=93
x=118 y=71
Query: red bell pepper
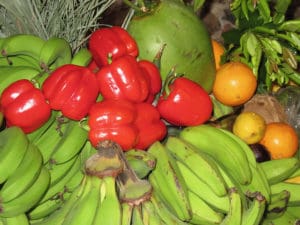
x=72 y=89
x=184 y=102
x=24 y=105
x=150 y=126
x=153 y=74
x=110 y=43
x=123 y=79
x=113 y=120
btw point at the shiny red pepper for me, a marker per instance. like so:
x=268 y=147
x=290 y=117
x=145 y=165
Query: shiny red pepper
x=152 y=72
x=150 y=126
x=184 y=102
x=71 y=89
x=110 y=43
x=113 y=120
x=123 y=79
x=24 y=105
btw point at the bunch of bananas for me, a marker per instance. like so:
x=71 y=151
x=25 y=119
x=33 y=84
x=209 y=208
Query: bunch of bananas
x=27 y=56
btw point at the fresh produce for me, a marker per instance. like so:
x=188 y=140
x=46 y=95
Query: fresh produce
x=186 y=44
x=184 y=102
x=123 y=79
x=218 y=51
x=249 y=126
x=235 y=84
x=72 y=89
x=24 y=105
x=281 y=140
x=260 y=152
x=110 y=43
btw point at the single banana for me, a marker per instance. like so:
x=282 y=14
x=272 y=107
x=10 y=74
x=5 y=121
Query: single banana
x=199 y=162
x=20 y=219
x=24 y=176
x=278 y=204
x=285 y=219
x=234 y=216
x=22 y=44
x=58 y=171
x=258 y=183
x=82 y=57
x=164 y=212
x=142 y=162
x=150 y=215
x=48 y=141
x=254 y=214
x=35 y=135
x=222 y=148
x=137 y=216
x=54 y=53
x=292 y=188
x=86 y=207
x=202 y=212
x=46 y=208
x=9 y=75
x=169 y=180
x=58 y=216
x=29 y=198
x=72 y=141
x=59 y=187
x=127 y=210
x=202 y=190
x=243 y=146
x=13 y=148
x=278 y=170
x=20 y=60
x=109 y=209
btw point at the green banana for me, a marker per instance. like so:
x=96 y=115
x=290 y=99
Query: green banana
x=73 y=139
x=277 y=205
x=22 y=44
x=127 y=210
x=278 y=170
x=198 y=162
x=13 y=146
x=35 y=135
x=292 y=188
x=54 y=53
x=222 y=148
x=24 y=176
x=9 y=75
x=20 y=60
x=164 y=212
x=29 y=198
x=51 y=137
x=46 y=208
x=142 y=162
x=234 y=216
x=20 y=219
x=58 y=216
x=149 y=214
x=86 y=207
x=87 y=151
x=203 y=213
x=293 y=210
x=82 y=57
x=168 y=179
x=258 y=183
x=254 y=214
x=201 y=189
x=285 y=219
x=109 y=209
x=57 y=188
x=137 y=217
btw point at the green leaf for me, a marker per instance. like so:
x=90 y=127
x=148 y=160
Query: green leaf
x=197 y=5
x=290 y=25
x=281 y=7
x=264 y=9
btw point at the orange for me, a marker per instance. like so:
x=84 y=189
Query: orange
x=218 y=51
x=249 y=126
x=280 y=140
x=235 y=83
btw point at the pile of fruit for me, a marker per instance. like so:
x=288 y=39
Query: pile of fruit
x=121 y=132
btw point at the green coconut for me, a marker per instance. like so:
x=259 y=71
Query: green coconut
x=186 y=39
